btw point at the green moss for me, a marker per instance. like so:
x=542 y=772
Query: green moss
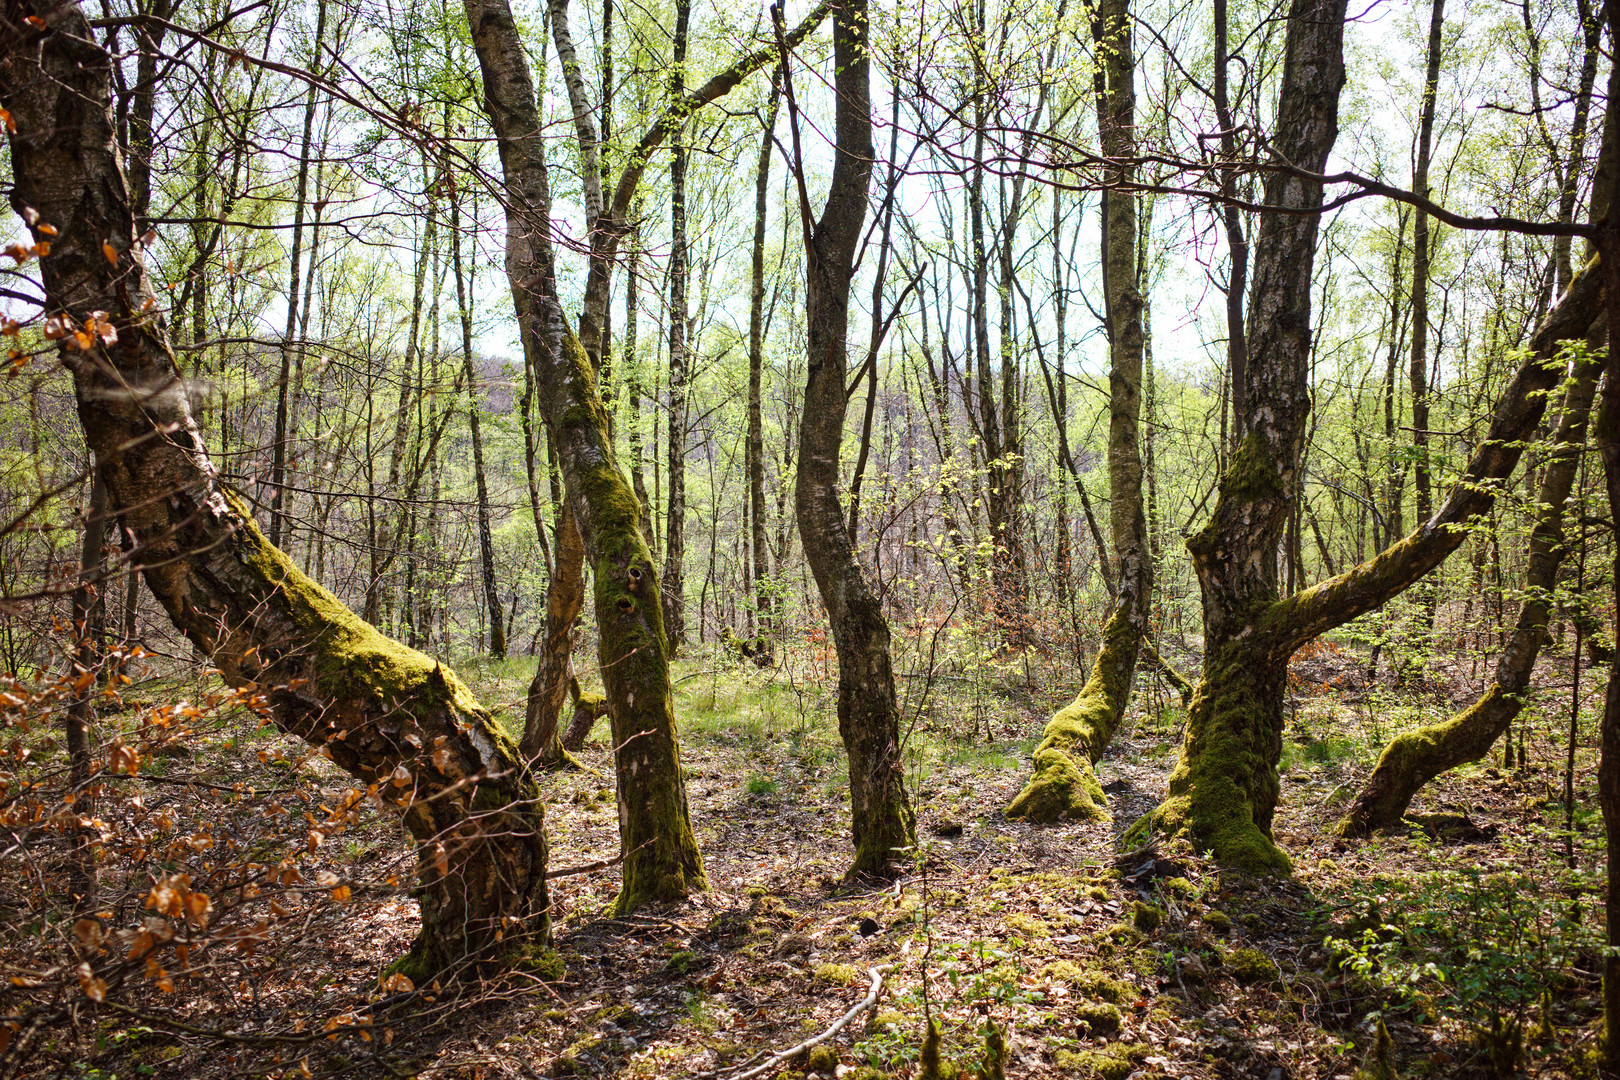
x=821 y=1059
x=1064 y=785
x=1113 y=1063
x=1249 y=966
x=866 y=1072
x=1027 y=925
x=1225 y=785
x=1099 y=1019
x=928 y=1059
x=572 y=1062
x=1099 y=984
x=1146 y=917
x=837 y=974
x=1413 y=758
x=886 y=1020
x=1179 y=887
x=541 y=960
x=1218 y=922
x=681 y=961
x=417 y=965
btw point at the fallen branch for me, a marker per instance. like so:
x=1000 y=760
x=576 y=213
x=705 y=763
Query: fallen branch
x=838 y=1025
x=591 y=868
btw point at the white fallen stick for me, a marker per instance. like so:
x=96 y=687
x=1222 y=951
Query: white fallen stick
x=838 y=1025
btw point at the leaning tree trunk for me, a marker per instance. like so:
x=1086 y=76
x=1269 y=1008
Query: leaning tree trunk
x=1416 y=757
x=1065 y=782
x=387 y=715
x=868 y=710
x=661 y=855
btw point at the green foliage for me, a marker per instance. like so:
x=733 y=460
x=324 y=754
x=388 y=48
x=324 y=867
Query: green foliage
x=1464 y=945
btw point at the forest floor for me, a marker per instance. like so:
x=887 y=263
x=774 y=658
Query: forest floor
x=1463 y=938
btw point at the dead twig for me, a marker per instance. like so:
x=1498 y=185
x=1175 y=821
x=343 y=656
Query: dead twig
x=838 y=1025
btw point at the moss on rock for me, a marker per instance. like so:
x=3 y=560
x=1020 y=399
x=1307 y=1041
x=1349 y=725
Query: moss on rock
x=837 y=974
x=1249 y=966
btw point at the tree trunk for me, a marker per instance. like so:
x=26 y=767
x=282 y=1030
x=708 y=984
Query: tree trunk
x=661 y=855
x=542 y=742
x=764 y=589
x=486 y=539
x=1237 y=240
x=1224 y=789
x=1064 y=784
x=89 y=625
x=1422 y=253
x=1416 y=757
x=389 y=716
x=868 y=711
x=674 y=584
x=1608 y=440
x=286 y=390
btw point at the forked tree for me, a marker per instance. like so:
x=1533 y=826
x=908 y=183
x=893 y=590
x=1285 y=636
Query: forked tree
x=1224 y=790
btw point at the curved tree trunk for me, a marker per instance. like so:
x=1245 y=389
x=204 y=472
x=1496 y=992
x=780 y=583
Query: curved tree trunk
x=1416 y=757
x=661 y=855
x=388 y=715
x=868 y=710
x=1064 y=784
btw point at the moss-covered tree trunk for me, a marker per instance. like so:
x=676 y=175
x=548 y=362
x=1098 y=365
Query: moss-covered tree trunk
x=661 y=854
x=388 y=715
x=1064 y=784
x=1414 y=758
x=1225 y=787
x=868 y=711
x=1223 y=791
